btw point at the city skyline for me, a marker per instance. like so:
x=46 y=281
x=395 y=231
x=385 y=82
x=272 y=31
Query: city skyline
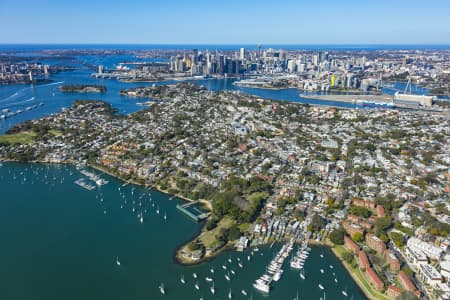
x=202 y=22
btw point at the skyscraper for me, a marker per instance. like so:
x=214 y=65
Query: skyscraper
x=242 y=54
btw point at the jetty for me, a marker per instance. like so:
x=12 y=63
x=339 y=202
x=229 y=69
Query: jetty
x=193 y=211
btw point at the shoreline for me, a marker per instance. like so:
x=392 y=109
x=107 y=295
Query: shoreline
x=228 y=246
x=178 y=258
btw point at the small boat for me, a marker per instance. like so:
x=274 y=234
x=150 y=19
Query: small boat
x=331 y=267
x=165 y=216
x=248 y=258
x=117 y=261
x=182 y=279
x=302 y=276
x=212 y=289
x=197 y=287
x=232 y=272
x=335 y=280
x=321 y=255
x=229 y=294
x=194 y=275
x=141 y=219
x=211 y=270
x=321 y=286
x=209 y=279
x=161 y=289
x=229 y=260
x=227 y=277
x=244 y=292
x=240 y=265
x=224 y=267
x=322 y=271
x=344 y=293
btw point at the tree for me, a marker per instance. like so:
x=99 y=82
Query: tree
x=358 y=237
x=347 y=256
x=337 y=236
x=381 y=224
x=317 y=223
x=397 y=238
x=406 y=295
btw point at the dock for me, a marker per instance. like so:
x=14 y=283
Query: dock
x=192 y=211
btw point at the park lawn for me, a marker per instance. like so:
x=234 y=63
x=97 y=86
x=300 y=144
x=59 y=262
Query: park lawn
x=255 y=198
x=208 y=238
x=25 y=137
x=55 y=132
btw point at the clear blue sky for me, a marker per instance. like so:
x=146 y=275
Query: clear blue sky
x=226 y=21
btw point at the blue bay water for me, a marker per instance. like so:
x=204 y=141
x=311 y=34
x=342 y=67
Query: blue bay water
x=60 y=241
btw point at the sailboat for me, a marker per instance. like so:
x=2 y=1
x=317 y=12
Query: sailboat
x=302 y=274
x=161 y=289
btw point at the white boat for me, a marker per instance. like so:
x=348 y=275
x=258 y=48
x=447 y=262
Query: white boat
x=141 y=219
x=212 y=289
x=161 y=289
x=232 y=272
x=229 y=294
x=224 y=267
x=277 y=275
x=321 y=286
x=227 y=277
x=302 y=276
x=182 y=279
x=229 y=260
x=197 y=287
x=244 y=292
x=335 y=280
x=212 y=270
x=165 y=216
x=194 y=275
x=331 y=267
x=344 y=293
x=321 y=255
x=209 y=279
x=248 y=258
x=260 y=286
x=117 y=261
x=322 y=271
x=240 y=265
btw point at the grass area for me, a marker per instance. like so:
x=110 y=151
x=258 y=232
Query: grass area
x=359 y=277
x=208 y=238
x=244 y=227
x=55 y=132
x=25 y=137
x=256 y=197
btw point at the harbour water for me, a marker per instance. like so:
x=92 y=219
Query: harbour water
x=61 y=241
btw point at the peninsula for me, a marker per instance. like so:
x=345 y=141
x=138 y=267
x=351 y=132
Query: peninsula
x=83 y=88
x=370 y=183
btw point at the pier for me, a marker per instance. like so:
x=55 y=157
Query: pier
x=192 y=211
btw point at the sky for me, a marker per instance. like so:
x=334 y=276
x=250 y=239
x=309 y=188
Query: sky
x=336 y=22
